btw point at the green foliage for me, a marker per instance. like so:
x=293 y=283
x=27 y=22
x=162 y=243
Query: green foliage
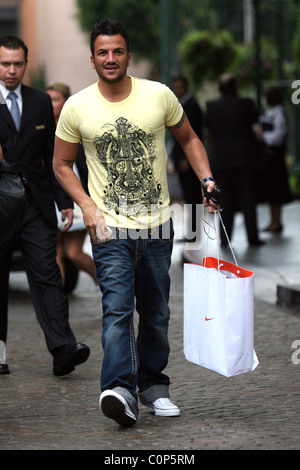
x=207 y=54
x=141 y=20
x=296 y=41
x=90 y=12
x=245 y=65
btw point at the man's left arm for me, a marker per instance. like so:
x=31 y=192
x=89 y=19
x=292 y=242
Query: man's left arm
x=195 y=153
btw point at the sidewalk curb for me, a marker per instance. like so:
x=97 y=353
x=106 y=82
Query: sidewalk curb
x=288 y=296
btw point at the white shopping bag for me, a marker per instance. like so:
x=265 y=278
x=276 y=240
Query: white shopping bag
x=219 y=317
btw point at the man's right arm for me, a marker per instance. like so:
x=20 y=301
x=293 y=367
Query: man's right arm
x=64 y=157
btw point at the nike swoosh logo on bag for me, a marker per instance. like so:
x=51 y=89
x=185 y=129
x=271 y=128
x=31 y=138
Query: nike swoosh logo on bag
x=207 y=319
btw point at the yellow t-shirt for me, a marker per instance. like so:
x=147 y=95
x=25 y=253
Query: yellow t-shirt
x=124 y=144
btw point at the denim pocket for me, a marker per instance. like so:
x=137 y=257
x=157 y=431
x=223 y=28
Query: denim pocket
x=113 y=237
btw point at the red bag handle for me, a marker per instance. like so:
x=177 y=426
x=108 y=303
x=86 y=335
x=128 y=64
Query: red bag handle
x=211 y=262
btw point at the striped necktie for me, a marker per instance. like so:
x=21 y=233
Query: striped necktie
x=14 y=110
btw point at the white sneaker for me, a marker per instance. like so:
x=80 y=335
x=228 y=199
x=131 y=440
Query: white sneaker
x=115 y=407
x=164 y=407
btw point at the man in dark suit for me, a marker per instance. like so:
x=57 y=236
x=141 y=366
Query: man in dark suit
x=190 y=184
x=232 y=155
x=27 y=130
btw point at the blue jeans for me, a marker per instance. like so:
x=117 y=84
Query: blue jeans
x=135 y=266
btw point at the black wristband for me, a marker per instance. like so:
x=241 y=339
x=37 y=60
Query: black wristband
x=208 y=178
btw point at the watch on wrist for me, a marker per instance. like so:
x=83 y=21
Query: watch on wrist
x=208 y=178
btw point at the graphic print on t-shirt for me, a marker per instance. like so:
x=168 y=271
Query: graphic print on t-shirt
x=128 y=154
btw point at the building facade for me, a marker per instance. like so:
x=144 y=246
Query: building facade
x=58 y=49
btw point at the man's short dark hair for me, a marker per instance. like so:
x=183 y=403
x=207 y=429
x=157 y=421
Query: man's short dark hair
x=182 y=79
x=108 y=28
x=12 y=42
x=228 y=84
x=273 y=96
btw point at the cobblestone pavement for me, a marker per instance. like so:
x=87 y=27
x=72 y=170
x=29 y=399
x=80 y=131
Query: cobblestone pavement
x=256 y=411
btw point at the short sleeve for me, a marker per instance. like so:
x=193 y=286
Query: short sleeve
x=174 y=110
x=67 y=126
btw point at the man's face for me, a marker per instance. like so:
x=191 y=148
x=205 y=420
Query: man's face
x=12 y=66
x=179 y=88
x=110 y=59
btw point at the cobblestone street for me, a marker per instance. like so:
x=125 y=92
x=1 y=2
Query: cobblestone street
x=254 y=411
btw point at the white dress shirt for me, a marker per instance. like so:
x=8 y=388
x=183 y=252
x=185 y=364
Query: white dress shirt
x=277 y=120
x=5 y=92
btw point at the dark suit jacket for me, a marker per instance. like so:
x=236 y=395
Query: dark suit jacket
x=229 y=120
x=31 y=149
x=82 y=168
x=195 y=117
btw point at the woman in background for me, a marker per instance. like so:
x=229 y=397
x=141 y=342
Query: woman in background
x=72 y=241
x=272 y=133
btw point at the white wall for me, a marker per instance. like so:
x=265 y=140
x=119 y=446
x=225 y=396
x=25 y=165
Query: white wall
x=63 y=49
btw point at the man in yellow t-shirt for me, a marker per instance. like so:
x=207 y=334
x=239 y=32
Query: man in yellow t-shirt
x=121 y=122
x=125 y=150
